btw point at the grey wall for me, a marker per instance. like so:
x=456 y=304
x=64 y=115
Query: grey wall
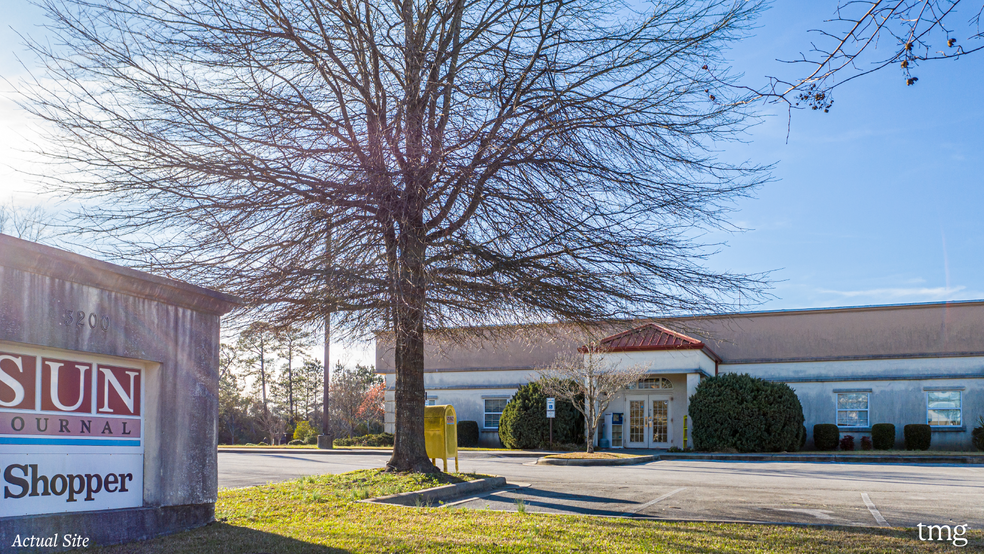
x=173 y=324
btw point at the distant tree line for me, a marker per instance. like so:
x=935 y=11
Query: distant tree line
x=269 y=385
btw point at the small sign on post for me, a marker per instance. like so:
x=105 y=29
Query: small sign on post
x=551 y=405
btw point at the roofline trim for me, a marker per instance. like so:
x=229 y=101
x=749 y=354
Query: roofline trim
x=40 y=259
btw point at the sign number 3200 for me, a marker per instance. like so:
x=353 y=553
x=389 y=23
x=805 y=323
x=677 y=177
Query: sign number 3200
x=79 y=319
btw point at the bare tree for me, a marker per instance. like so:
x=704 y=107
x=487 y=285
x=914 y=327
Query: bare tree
x=258 y=344
x=589 y=383
x=31 y=223
x=273 y=425
x=908 y=32
x=291 y=343
x=312 y=375
x=404 y=165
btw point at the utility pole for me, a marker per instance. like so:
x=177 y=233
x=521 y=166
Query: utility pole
x=325 y=439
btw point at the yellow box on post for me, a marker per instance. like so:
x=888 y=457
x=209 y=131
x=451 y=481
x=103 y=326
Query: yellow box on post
x=441 y=434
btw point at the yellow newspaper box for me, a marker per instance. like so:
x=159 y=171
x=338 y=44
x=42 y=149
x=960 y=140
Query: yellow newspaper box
x=441 y=434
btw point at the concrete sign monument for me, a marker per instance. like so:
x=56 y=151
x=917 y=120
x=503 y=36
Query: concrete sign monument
x=108 y=400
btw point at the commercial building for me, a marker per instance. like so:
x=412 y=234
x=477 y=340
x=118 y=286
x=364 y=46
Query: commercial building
x=854 y=366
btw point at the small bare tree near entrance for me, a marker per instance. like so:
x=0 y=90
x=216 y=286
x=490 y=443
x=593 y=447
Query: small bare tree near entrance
x=589 y=383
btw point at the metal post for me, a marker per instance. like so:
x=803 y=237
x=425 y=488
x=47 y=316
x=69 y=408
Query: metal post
x=325 y=439
x=551 y=433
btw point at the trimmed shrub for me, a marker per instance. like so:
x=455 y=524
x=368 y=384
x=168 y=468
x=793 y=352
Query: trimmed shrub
x=826 y=436
x=865 y=443
x=802 y=441
x=295 y=442
x=978 y=434
x=304 y=430
x=467 y=433
x=917 y=436
x=847 y=443
x=382 y=439
x=524 y=423
x=745 y=413
x=313 y=439
x=883 y=436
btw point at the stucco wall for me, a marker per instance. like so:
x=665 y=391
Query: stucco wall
x=662 y=361
x=897 y=391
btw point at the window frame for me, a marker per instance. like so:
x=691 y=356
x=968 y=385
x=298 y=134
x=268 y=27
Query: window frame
x=486 y=413
x=959 y=410
x=838 y=410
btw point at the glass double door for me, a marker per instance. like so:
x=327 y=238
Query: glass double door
x=648 y=421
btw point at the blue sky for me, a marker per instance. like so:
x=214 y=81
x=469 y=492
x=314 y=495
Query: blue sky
x=876 y=202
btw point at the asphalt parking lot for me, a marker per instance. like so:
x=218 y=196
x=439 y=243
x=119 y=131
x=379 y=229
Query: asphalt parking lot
x=896 y=495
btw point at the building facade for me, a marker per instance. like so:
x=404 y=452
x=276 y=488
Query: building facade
x=854 y=367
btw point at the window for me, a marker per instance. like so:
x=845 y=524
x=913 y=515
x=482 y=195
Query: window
x=852 y=409
x=493 y=410
x=652 y=383
x=431 y=401
x=943 y=408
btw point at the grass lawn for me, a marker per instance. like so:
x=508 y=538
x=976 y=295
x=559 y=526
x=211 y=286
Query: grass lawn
x=320 y=515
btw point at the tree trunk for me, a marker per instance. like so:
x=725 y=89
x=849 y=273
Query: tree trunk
x=409 y=449
x=589 y=428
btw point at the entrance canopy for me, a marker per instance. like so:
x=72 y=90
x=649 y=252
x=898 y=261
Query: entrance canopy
x=654 y=411
x=651 y=337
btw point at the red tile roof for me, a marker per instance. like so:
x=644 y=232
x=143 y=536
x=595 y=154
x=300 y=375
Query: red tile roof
x=647 y=337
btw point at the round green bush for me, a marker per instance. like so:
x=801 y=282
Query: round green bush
x=747 y=414
x=826 y=436
x=883 y=436
x=917 y=436
x=304 y=430
x=468 y=433
x=524 y=422
x=978 y=434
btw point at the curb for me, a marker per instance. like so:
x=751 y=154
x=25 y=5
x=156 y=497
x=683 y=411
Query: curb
x=439 y=494
x=333 y=451
x=596 y=462
x=829 y=458
x=387 y=452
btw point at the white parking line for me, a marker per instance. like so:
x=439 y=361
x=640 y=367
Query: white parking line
x=642 y=507
x=508 y=488
x=874 y=511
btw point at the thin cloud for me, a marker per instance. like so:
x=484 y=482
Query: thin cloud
x=912 y=293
